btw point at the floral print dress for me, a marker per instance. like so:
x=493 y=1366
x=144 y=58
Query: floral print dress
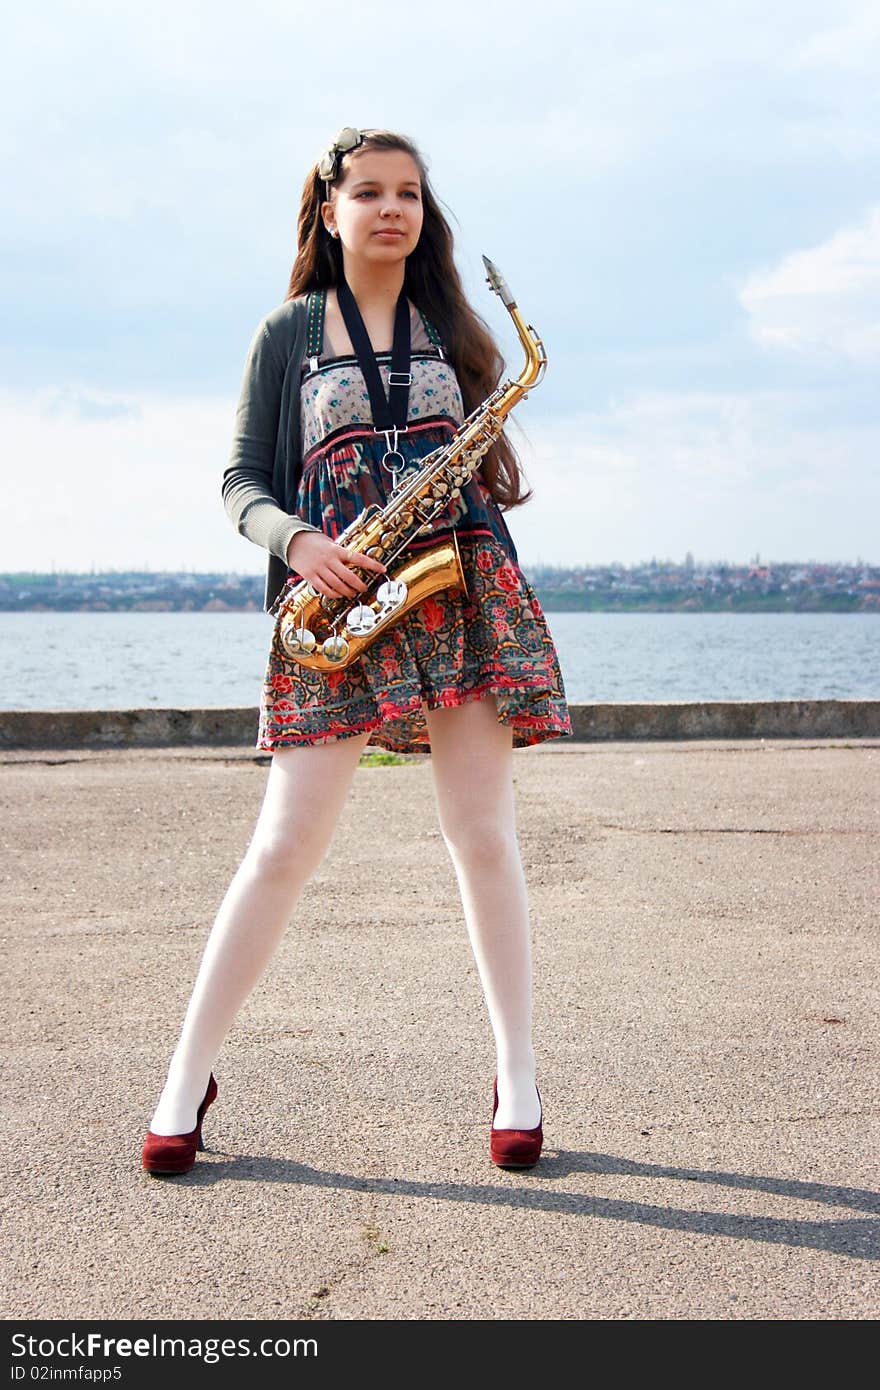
x=450 y=648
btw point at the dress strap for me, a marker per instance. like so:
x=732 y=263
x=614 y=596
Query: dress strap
x=433 y=335
x=315 y=332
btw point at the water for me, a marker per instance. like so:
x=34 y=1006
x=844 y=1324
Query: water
x=718 y=656
x=166 y=660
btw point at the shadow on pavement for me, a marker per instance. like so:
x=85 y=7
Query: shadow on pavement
x=860 y=1239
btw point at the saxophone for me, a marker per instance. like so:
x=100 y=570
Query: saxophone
x=327 y=634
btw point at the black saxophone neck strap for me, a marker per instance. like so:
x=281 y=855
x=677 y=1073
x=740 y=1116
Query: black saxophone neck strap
x=389 y=412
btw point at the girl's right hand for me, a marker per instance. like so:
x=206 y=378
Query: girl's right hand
x=327 y=566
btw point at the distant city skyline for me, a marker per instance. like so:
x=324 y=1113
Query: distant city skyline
x=658 y=586
x=685 y=207
x=756 y=560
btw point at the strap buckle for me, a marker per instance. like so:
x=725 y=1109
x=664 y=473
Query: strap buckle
x=400 y=378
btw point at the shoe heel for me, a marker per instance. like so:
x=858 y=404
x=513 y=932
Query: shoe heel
x=176 y=1153
x=515 y=1148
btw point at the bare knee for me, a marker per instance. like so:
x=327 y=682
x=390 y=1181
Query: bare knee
x=286 y=858
x=480 y=842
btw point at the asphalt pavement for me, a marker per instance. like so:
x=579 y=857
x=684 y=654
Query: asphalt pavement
x=705 y=933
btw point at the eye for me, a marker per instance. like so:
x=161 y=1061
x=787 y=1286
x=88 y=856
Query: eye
x=410 y=193
x=366 y=193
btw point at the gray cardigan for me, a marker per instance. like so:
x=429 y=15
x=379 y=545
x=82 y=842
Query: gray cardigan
x=261 y=479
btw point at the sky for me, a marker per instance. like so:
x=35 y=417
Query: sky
x=684 y=198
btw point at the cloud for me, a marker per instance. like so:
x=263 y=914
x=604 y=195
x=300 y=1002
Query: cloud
x=852 y=46
x=720 y=474
x=120 y=482
x=622 y=164
x=825 y=299
x=133 y=481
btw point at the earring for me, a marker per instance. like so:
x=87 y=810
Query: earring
x=333 y=232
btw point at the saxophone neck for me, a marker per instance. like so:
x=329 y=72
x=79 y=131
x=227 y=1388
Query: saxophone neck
x=536 y=358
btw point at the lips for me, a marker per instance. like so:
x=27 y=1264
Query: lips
x=387 y=231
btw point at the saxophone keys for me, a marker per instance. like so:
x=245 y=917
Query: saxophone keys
x=335 y=648
x=375 y=552
x=392 y=593
x=297 y=641
x=360 y=620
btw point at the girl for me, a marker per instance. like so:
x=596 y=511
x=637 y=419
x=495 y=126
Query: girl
x=319 y=436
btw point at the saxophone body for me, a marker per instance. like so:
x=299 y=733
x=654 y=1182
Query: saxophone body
x=328 y=634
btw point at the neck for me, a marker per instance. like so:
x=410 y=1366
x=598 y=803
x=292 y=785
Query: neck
x=374 y=286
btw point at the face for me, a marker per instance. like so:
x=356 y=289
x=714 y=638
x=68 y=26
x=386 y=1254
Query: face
x=377 y=208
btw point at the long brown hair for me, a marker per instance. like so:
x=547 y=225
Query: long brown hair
x=432 y=282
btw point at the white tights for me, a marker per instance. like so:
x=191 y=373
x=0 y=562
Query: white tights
x=471 y=758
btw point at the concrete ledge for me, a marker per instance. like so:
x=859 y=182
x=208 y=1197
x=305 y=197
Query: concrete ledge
x=126 y=728
x=684 y=719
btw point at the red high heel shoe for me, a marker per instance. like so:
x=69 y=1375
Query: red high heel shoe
x=515 y=1148
x=176 y=1153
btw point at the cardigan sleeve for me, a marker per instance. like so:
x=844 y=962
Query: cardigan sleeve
x=247 y=479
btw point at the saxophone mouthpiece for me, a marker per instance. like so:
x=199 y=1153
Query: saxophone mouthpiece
x=497 y=282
